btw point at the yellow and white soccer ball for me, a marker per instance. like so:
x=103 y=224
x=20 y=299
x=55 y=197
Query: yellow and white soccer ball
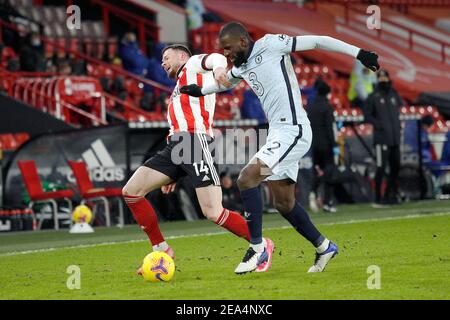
x=158 y=267
x=82 y=214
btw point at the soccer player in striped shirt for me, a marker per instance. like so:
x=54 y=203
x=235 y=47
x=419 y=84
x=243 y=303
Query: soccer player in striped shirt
x=266 y=67
x=191 y=129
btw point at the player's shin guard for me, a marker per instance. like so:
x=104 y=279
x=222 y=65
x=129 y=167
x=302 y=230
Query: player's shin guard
x=146 y=217
x=235 y=223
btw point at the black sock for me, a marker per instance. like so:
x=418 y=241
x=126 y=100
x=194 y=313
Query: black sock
x=300 y=220
x=253 y=213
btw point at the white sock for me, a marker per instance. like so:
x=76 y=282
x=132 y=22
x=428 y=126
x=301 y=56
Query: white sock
x=163 y=246
x=258 y=247
x=324 y=246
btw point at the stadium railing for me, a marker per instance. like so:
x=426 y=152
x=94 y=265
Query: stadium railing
x=412 y=33
x=416 y=3
x=36 y=89
x=50 y=103
x=115 y=70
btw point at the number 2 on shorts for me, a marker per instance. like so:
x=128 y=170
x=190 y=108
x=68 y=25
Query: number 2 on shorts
x=269 y=151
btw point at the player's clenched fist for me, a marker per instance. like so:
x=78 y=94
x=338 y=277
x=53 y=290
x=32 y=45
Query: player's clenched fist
x=369 y=59
x=220 y=74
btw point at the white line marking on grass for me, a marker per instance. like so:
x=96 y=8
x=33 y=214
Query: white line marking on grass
x=413 y=216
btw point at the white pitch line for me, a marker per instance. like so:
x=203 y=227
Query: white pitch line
x=16 y=253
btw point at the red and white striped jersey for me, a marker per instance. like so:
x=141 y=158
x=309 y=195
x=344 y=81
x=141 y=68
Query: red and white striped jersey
x=191 y=114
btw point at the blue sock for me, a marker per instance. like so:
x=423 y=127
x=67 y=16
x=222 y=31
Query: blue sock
x=300 y=220
x=253 y=213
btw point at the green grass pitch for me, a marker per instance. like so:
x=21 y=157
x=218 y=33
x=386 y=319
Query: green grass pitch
x=409 y=243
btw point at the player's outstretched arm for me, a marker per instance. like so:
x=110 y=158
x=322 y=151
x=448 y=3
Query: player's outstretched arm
x=368 y=59
x=196 y=91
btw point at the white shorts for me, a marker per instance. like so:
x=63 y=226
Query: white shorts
x=284 y=148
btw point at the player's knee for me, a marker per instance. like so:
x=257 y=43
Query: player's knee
x=131 y=190
x=212 y=214
x=125 y=191
x=244 y=181
x=285 y=205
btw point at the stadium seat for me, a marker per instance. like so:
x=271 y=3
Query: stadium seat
x=6 y=55
x=89 y=193
x=21 y=138
x=38 y=196
x=9 y=143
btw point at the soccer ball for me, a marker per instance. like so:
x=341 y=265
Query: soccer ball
x=82 y=214
x=158 y=266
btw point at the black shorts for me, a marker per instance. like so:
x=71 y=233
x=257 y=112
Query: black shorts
x=187 y=154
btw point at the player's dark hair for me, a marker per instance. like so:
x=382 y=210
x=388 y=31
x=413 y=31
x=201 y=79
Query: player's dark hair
x=179 y=47
x=234 y=29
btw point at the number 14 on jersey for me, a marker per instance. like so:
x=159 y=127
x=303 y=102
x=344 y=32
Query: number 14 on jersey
x=200 y=167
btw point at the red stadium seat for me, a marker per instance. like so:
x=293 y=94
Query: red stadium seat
x=37 y=195
x=88 y=47
x=112 y=47
x=49 y=47
x=78 y=91
x=100 y=47
x=21 y=138
x=89 y=193
x=7 y=54
x=8 y=142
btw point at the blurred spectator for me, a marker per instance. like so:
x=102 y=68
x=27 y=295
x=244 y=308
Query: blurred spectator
x=7 y=10
x=51 y=67
x=10 y=15
x=445 y=157
x=157 y=73
x=382 y=110
x=13 y=64
x=197 y=14
x=230 y=192
x=116 y=61
x=410 y=134
x=105 y=82
x=118 y=88
x=251 y=108
x=427 y=149
x=147 y=102
x=133 y=59
x=156 y=51
x=362 y=82
x=79 y=67
x=9 y=59
x=31 y=54
x=195 y=11
x=324 y=146
x=309 y=93
x=64 y=68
